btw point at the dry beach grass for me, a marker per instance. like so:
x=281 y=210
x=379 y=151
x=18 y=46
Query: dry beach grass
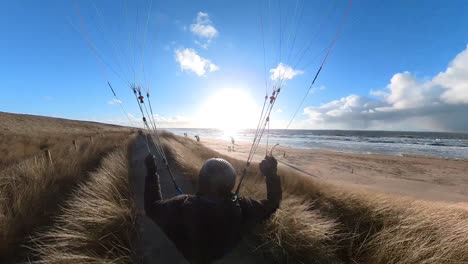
x=97 y=223
x=34 y=187
x=23 y=136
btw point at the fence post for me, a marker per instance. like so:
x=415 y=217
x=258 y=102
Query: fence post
x=48 y=156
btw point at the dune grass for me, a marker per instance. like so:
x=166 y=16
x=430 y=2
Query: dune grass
x=323 y=223
x=381 y=228
x=25 y=136
x=32 y=190
x=97 y=222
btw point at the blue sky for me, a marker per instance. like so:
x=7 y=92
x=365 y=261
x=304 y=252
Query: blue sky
x=397 y=65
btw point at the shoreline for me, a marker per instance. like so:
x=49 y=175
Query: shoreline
x=420 y=177
x=356 y=153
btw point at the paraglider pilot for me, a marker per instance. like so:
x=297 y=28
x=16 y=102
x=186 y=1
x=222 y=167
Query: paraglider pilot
x=207 y=225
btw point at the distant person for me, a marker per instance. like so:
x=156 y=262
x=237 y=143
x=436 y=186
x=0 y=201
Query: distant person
x=233 y=144
x=185 y=134
x=198 y=138
x=207 y=225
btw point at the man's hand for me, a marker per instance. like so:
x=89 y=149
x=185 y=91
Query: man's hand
x=150 y=164
x=268 y=166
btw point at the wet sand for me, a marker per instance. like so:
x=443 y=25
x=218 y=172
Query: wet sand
x=425 y=178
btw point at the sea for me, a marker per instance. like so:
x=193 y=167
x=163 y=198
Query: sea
x=433 y=144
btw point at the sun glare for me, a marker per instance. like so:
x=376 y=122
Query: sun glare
x=229 y=110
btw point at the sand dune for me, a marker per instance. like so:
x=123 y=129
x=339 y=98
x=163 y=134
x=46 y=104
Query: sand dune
x=319 y=222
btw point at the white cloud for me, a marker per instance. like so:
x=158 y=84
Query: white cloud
x=455 y=80
x=284 y=72
x=279 y=110
x=204 y=29
x=114 y=101
x=189 y=60
x=317 y=89
x=408 y=103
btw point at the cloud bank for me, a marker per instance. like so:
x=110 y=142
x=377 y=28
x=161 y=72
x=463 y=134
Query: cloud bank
x=173 y=121
x=407 y=103
x=161 y=121
x=189 y=60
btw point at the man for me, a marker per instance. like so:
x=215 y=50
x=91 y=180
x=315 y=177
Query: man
x=207 y=225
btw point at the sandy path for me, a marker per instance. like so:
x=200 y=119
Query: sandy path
x=419 y=177
x=153 y=246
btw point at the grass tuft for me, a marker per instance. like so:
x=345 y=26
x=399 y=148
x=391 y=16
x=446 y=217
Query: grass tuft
x=32 y=190
x=97 y=222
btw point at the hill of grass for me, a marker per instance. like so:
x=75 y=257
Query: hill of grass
x=23 y=136
x=34 y=187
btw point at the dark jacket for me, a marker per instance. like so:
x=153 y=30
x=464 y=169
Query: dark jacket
x=205 y=230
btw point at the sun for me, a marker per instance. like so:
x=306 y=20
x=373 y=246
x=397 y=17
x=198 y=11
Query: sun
x=229 y=109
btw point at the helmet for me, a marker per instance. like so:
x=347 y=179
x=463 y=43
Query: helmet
x=217 y=177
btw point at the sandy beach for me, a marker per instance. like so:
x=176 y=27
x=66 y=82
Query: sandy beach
x=425 y=178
